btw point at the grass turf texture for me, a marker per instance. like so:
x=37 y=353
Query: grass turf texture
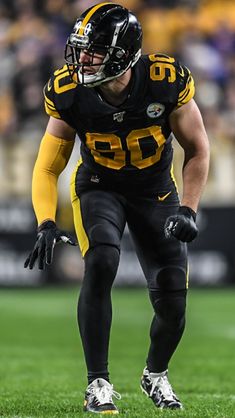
x=42 y=372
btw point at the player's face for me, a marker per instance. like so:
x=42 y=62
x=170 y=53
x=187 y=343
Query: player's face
x=91 y=61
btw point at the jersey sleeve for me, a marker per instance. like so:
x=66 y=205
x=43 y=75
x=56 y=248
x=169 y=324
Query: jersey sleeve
x=171 y=81
x=49 y=102
x=59 y=94
x=186 y=85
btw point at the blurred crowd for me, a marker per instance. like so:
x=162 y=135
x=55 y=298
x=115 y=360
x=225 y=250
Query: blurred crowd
x=32 y=39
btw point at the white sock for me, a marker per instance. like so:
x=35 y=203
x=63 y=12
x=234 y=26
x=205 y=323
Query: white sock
x=154 y=375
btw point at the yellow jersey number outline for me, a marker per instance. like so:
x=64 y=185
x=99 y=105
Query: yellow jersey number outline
x=158 y=69
x=133 y=140
x=59 y=74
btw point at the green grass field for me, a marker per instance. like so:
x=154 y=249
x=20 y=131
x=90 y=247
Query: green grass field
x=42 y=372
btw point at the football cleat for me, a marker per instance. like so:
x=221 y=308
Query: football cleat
x=157 y=387
x=98 y=397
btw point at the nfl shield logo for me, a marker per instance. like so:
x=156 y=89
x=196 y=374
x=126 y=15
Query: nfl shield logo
x=118 y=116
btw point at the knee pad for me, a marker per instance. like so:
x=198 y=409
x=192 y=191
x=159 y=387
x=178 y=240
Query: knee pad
x=171 y=279
x=170 y=307
x=104 y=234
x=101 y=263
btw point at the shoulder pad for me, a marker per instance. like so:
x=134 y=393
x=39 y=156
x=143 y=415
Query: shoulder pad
x=59 y=92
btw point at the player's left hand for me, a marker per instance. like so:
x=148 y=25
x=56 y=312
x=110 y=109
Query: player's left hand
x=48 y=235
x=182 y=225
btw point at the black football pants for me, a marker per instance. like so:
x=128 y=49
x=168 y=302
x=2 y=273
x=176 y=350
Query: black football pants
x=164 y=263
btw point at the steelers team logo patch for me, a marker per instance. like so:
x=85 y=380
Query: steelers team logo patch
x=154 y=110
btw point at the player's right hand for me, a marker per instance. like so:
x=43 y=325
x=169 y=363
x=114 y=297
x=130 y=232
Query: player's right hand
x=47 y=237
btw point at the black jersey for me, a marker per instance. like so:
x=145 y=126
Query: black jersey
x=134 y=137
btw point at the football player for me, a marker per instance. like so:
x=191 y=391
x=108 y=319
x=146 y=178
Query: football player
x=125 y=108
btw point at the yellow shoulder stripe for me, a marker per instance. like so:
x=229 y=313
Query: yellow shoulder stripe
x=49 y=102
x=52 y=112
x=50 y=108
x=188 y=92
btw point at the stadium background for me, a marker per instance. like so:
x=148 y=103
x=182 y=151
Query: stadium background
x=32 y=38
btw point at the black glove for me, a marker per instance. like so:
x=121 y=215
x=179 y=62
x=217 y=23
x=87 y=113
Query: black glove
x=48 y=235
x=182 y=225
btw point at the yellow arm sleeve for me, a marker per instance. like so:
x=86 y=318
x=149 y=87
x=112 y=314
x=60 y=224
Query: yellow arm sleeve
x=53 y=156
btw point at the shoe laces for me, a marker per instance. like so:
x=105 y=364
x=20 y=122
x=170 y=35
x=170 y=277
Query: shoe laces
x=162 y=383
x=104 y=394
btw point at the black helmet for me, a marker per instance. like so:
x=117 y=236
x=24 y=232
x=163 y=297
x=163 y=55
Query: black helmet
x=107 y=29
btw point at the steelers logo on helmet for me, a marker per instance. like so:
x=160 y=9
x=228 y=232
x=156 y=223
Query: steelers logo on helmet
x=110 y=31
